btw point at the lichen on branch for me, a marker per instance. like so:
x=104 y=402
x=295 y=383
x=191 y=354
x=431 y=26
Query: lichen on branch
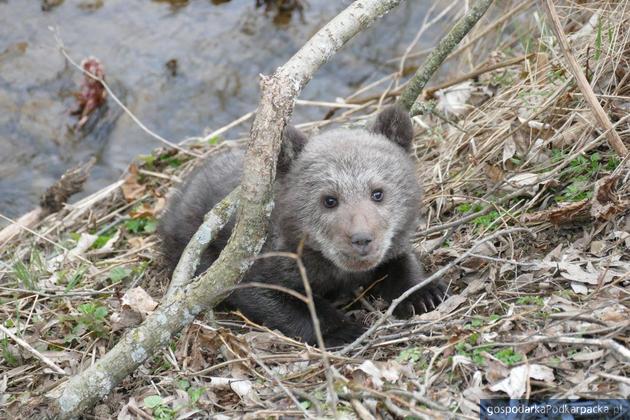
x=440 y=52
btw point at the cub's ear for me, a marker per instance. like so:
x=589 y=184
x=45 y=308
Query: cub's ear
x=394 y=123
x=293 y=141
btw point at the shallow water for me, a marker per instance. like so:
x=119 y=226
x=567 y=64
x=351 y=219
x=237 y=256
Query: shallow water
x=220 y=48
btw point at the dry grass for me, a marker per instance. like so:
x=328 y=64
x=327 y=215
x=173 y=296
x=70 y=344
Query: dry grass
x=527 y=154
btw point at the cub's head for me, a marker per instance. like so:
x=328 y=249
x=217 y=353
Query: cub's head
x=351 y=193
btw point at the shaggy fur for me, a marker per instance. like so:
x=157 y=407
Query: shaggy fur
x=369 y=177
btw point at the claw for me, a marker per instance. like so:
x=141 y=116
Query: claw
x=424 y=307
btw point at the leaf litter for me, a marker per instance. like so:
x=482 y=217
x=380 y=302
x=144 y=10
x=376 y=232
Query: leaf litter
x=529 y=316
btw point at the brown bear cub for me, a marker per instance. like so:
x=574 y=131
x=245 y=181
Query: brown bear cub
x=353 y=197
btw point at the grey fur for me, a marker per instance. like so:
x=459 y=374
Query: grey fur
x=349 y=165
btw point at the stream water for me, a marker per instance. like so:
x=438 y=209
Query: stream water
x=181 y=67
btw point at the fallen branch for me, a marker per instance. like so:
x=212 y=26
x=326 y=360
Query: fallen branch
x=614 y=140
x=255 y=204
x=607 y=343
x=440 y=52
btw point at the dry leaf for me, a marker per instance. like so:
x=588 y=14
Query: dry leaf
x=380 y=372
x=124 y=319
x=591 y=275
x=495 y=371
x=598 y=248
x=586 y=356
x=564 y=213
x=131 y=188
x=139 y=300
x=515 y=385
x=604 y=204
x=612 y=314
x=493 y=172
x=137 y=242
x=448 y=306
x=144 y=210
x=241 y=387
x=452 y=100
x=509 y=150
x=83 y=244
x=579 y=288
x=523 y=180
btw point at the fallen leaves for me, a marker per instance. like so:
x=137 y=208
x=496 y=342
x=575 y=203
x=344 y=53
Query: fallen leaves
x=604 y=205
x=516 y=384
x=139 y=301
x=136 y=304
x=132 y=189
x=453 y=100
x=376 y=374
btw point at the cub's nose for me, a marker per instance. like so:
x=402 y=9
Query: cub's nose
x=361 y=243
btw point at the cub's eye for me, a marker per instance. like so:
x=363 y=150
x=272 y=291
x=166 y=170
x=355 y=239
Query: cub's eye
x=329 y=201
x=377 y=195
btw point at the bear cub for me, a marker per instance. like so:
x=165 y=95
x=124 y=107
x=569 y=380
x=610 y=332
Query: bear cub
x=351 y=195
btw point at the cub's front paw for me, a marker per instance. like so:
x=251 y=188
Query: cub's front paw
x=345 y=333
x=424 y=300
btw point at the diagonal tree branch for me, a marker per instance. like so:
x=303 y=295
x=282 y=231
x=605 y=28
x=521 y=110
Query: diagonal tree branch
x=440 y=52
x=180 y=307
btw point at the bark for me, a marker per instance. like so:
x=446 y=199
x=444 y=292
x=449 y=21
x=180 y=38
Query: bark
x=440 y=52
x=180 y=307
x=213 y=222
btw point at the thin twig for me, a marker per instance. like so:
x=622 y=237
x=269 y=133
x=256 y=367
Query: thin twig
x=426 y=24
x=318 y=332
x=225 y=128
x=277 y=380
x=33 y=351
x=431 y=90
x=476 y=73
